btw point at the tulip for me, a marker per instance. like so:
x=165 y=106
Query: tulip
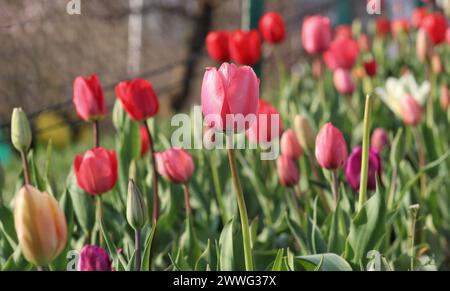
x=353 y=169
x=287 y=171
x=138 y=98
x=343 y=31
x=370 y=66
x=20 y=130
x=94 y=258
x=290 y=145
x=436 y=64
x=217 y=45
x=379 y=139
x=383 y=26
x=342 y=54
x=96 y=170
x=400 y=26
x=88 y=98
x=232 y=91
x=444 y=98
x=411 y=111
x=331 y=148
x=40 y=225
x=436 y=26
x=145 y=140
x=136 y=209
x=364 y=43
x=316 y=34
x=424 y=45
x=175 y=164
x=305 y=132
x=418 y=16
x=268 y=125
x=343 y=82
x=245 y=47
x=272 y=27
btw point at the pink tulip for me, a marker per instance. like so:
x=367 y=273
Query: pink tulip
x=342 y=54
x=316 y=34
x=411 y=111
x=232 y=91
x=266 y=128
x=290 y=145
x=94 y=258
x=331 y=148
x=353 y=169
x=343 y=82
x=88 y=98
x=175 y=164
x=287 y=171
x=379 y=139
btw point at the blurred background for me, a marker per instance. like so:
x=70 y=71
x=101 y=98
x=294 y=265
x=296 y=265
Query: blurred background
x=43 y=48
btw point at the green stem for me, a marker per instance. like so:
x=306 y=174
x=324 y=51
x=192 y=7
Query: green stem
x=242 y=211
x=187 y=204
x=365 y=153
x=414 y=209
x=96 y=133
x=335 y=187
x=26 y=171
x=218 y=189
x=422 y=162
x=99 y=215
x=393 y=188
x=155 y=174
x=138 y=249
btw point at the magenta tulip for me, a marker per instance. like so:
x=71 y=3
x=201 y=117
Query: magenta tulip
x=379 y=139
x=353 y=168
x=94 y=258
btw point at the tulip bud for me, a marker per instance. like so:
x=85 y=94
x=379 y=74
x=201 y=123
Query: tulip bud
x=93 y=258
x=290 y=145
x=331 y=148
x=343 y=82
x=353 y=169
x=40 y=225
x=445 y=97
x=436 y=64
x=370 y=67
x=424 y=46
x=379 y=139
x=136 y=209
x=118 y=115
x=305 y=132
x=287 y=171
x=20 y=130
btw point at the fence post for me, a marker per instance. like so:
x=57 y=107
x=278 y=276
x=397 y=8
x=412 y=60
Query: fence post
x=252 y=11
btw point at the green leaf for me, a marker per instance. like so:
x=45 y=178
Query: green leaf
x=226 y=251
x=278 y=263
x=367 y=229
x=207 y=258
x=147 y=250
x=82 y=203
x=323 y=262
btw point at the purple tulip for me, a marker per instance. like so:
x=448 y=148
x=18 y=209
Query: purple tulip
x=94 y=258
x=353 y=168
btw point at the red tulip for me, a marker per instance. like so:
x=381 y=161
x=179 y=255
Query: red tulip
x=272 y=27
x=444 y=98
x=217 y=45
x=316 y=34
x=370 y=66
x=342 y=54
x=383 y=26
x=436 y=26
x=88 y=98
x=96 y=170
x=94 y=258
x=331 y=148
x=264 y=130
x=411 y=111
x=343 y=82
x=245 y=47
x=379 y=139
x=290 y=145
x=145 y=140
x=287 y=171
x=400 y=26
x=418 y=16
x=353 y=169
x=175 y=164
x=138 y=98
x=343 y=31
x=231 y=91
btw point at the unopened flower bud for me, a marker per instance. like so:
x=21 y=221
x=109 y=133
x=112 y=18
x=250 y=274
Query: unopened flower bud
x=136 y=209
x=436 y=64
x=305 y=132
x=20 y=130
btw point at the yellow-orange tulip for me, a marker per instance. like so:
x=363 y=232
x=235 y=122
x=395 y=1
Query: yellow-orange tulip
x=40 y=225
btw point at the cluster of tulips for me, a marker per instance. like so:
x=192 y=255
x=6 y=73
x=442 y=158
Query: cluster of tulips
x=309 y=159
